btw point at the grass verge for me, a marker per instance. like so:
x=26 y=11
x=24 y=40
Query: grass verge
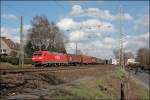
x=121 y=73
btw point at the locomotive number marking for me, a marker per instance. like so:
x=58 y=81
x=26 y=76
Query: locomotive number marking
x=57 y=57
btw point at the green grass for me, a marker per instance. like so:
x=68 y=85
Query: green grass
x=144 y=94
x=90 y=89
x=142 y=91
x=121 y=73
x=99 y=87
x=84 y=91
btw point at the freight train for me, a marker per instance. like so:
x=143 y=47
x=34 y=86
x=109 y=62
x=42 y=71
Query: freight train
x=58 y=59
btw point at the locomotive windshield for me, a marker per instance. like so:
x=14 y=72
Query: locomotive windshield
x=37 y=54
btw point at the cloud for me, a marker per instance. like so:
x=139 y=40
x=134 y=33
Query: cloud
x=13 y=33
x=127 y=16
x=90 y=33
x=10 y=33
x=142 y=22
x=66 y=23
x=78 y=11
x=77 y=35
x=9 y=16
x=135 y=42
x=108 y=40
x=25 y=28
x=90 y=24
x=9 y=30
x=103 y=48
x=83 y=30
x=91 y=12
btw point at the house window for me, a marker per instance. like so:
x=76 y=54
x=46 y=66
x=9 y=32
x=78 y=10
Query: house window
x=4 y=50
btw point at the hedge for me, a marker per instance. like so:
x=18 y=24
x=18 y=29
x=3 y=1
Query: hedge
x=15 y=60
x=28 y=61
x=3 y=59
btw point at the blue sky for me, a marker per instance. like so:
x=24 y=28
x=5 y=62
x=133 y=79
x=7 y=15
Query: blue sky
x=54 y=10
x=57 y=11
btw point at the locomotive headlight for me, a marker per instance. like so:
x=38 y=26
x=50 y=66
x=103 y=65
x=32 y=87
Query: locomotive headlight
x=40 y=57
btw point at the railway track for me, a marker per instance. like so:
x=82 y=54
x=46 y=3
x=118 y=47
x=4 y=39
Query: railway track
x=50 y=69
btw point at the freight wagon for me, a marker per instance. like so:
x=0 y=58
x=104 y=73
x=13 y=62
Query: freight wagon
x=74 y=59
x=88 y=59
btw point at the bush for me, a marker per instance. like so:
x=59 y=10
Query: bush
x=14 y=60
x=28 y=61
x=121 y=73
x=3 y=59
x=9 y=59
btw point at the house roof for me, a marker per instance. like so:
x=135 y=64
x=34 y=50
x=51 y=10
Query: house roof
x=10 y=43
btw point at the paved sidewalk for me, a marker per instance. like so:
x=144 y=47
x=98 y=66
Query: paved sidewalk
x=141 y=78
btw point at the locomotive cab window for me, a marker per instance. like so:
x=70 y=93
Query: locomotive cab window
x=38 y=54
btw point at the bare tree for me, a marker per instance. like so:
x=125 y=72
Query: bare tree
x=126 y=55
x=143 y=56
x=44 y=35
x=116 y=53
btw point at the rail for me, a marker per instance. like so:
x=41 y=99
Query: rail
x=51 y=69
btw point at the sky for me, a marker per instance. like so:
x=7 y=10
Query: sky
x=94 y=25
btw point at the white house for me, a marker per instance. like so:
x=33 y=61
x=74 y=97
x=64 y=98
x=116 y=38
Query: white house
x=131 y=61
x=115 y=61
x=8 y=47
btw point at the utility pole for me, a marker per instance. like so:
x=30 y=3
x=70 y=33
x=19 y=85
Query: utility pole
x=21 y=55
x=40 y=45
x=76 y=48
x=121 y=62
x=121 y=57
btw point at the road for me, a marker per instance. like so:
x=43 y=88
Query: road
x=141 y=77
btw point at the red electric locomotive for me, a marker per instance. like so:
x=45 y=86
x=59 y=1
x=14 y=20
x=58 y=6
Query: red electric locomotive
x=49 y=58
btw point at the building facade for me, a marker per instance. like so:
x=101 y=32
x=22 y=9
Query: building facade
x=8 y=47
x=115 y=61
